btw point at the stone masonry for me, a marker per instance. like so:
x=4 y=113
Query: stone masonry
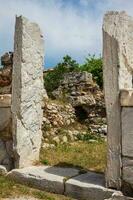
x=6 y=143
x=118 y=85
x=6 y=73
x=27 y=92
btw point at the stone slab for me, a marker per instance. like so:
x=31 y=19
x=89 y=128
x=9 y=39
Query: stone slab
x=27 y=92
x=88 y=186
x=127 y=131
x=119 y=196
x=127 y=176
x=46 y=178
x=111 y=89
x=5 y=100
x=126 y=97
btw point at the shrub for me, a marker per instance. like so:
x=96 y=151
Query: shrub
x=45 y=162
x=53 y=78
x=93 y=65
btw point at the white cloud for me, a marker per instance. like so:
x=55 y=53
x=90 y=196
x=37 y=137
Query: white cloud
x=67 y=28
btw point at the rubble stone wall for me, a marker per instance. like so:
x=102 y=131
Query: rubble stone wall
x=6 y=143
x=6 y=73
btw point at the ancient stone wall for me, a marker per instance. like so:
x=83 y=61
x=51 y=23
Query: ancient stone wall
x=6 y=144
x=27 y=92
x=79 y=89
x=6 y=73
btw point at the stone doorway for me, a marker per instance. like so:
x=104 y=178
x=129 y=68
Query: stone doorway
x=23 y=146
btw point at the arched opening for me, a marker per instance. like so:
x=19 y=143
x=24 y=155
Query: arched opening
x=81 y=114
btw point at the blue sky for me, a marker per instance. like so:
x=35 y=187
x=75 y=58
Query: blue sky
x=71 y=27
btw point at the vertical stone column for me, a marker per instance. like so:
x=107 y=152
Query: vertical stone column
x=118 y=86
x=117 y=70
x=27 y=92
x=111 y=89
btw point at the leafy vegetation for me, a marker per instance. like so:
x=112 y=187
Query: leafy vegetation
x=92 y=65
x=53 y=78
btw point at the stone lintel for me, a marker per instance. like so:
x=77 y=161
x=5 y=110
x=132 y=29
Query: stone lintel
x=126 y=97
x=5 y=101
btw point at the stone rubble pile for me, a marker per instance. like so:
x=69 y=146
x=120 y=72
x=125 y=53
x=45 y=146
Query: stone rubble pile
x=57 y=117
x=79 y=89
x=78 y=100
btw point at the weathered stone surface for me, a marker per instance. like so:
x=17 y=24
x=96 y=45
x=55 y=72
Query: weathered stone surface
x=5 y=123
x=127 y=131
x=118 y=68
x=5 y=101
x=88 y=186
x=3 y=152
x=79 y=89
x=126 y=97
x=111 y=53
x=120 y=27
x=43 y=177
x=5 y=126
x=127 y=186
x=6 y=156
x=6 y=146
x=128 y=170
x=6 y=73
x=3 y=170
x=118 y=196
x=27 y=92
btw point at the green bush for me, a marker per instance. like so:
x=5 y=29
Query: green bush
x=45 y=162
x=93 y=65
x=53 y=78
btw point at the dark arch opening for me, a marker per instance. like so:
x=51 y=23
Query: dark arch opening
x=81 y=114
